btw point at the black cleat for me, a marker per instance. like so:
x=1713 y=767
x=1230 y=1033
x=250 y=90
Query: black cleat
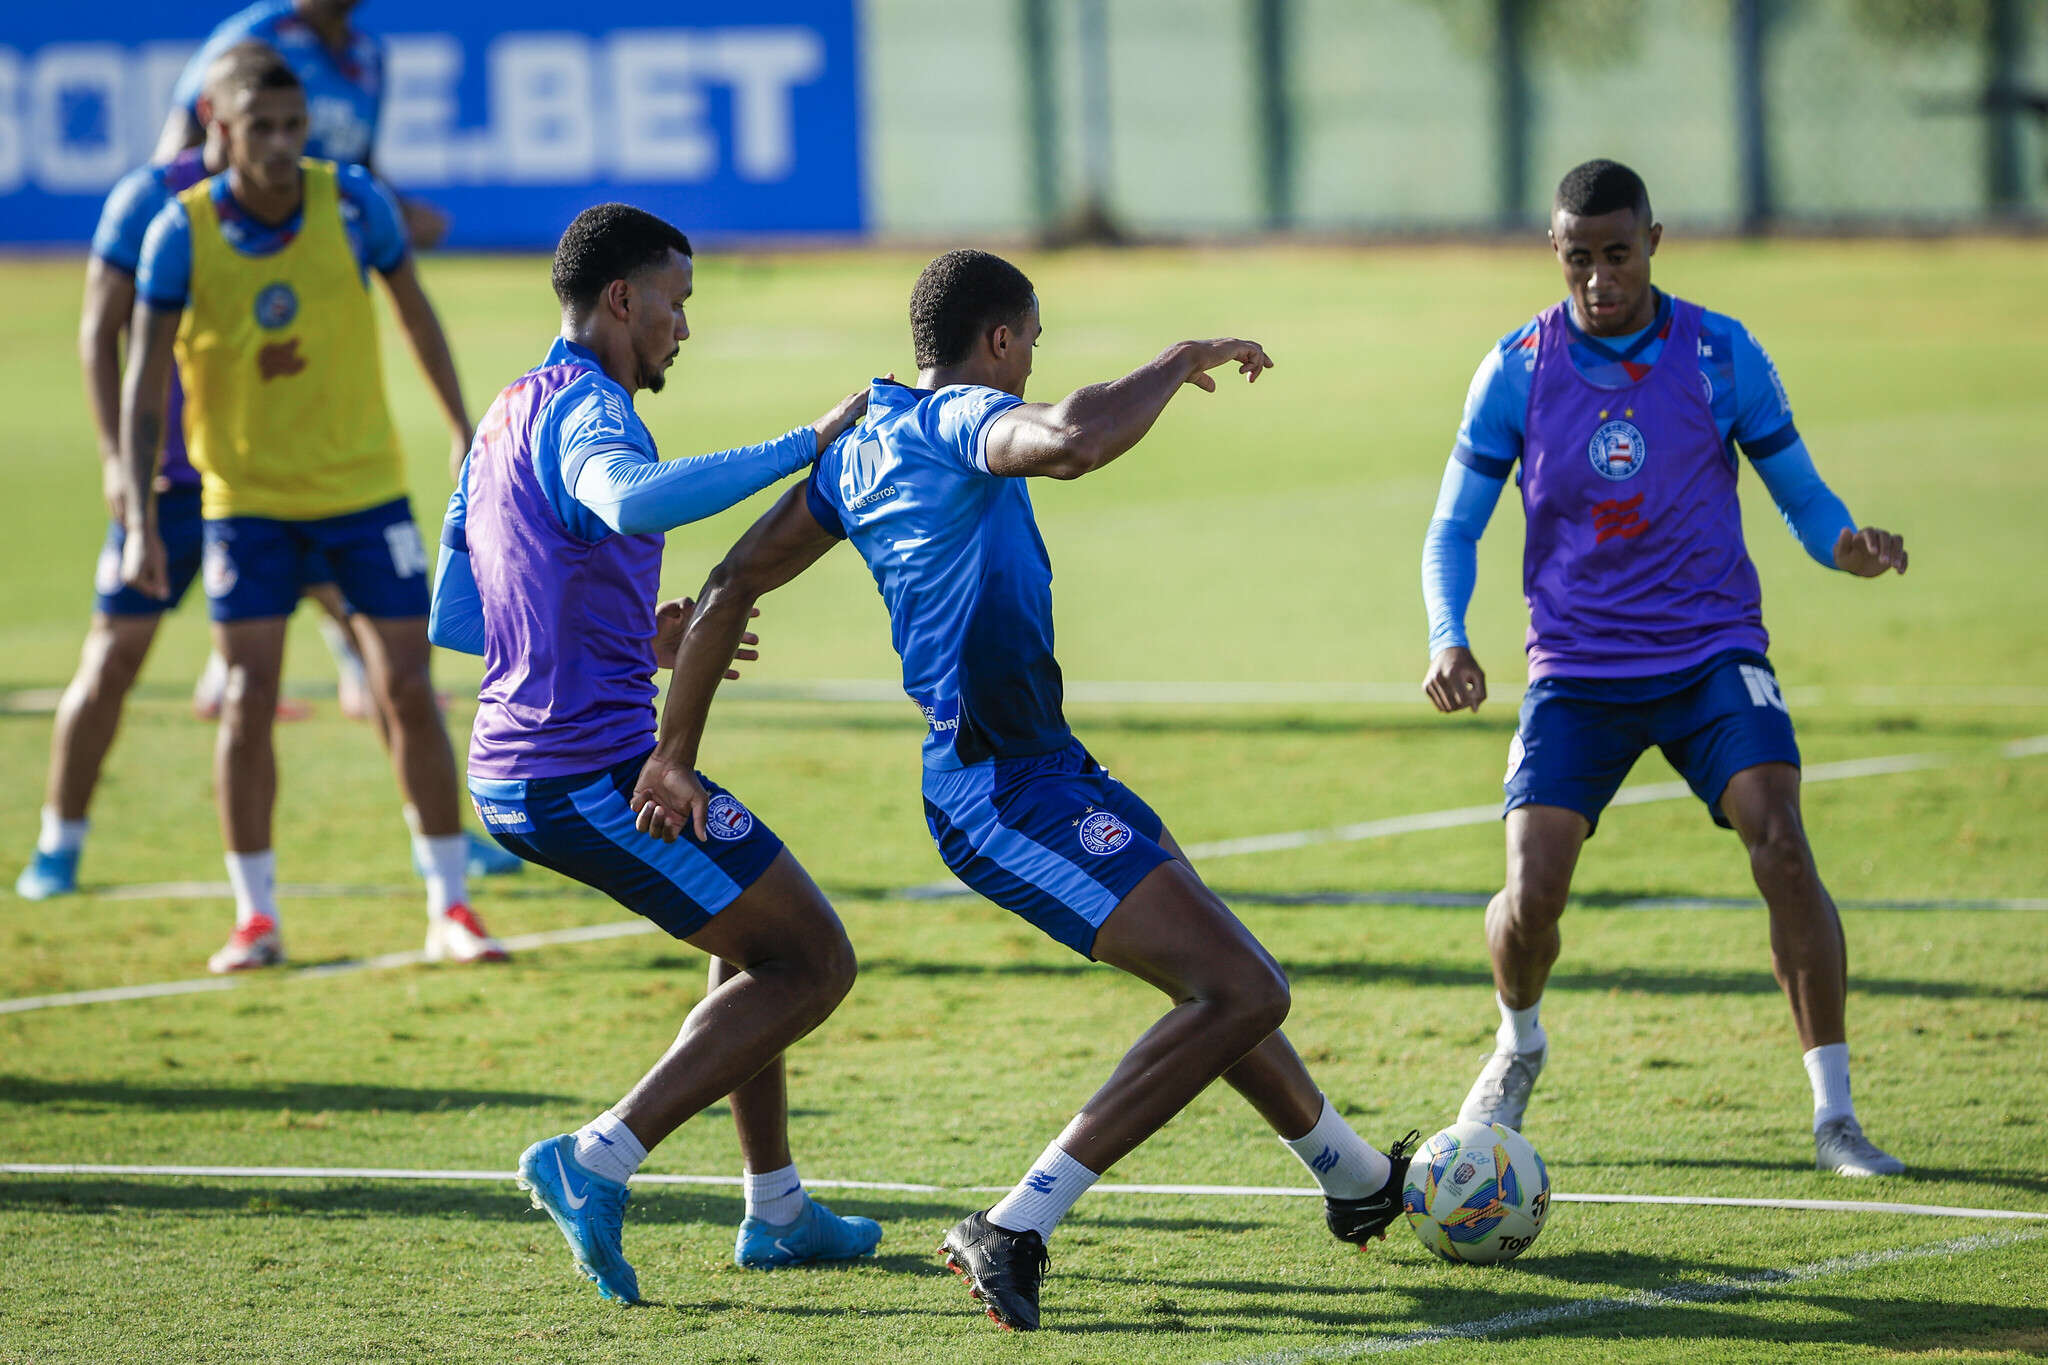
x=1359 y=1221
x=1002 y=1269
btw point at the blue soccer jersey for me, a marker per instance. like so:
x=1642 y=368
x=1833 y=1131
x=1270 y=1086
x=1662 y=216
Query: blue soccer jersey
x=956 y=553
x=344 y=90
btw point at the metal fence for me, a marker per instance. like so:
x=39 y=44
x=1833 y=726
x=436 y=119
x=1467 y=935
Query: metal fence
x=1223 y=117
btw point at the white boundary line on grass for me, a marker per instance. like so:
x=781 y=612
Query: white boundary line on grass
x=1644 y=794
x=1197 y=1191
x=1673 y=1295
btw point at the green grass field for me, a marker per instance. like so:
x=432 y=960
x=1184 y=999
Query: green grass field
x=1268 y=536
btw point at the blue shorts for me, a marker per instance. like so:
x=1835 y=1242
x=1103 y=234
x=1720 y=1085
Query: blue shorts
x=260 y=566
x=1579 y=737
x=582 y=827
x=179 y=523
x=1053 y=838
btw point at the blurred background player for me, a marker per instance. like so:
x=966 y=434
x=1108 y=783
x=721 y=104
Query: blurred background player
x=124 y=621
x=258 y=278
x=1625 y=407
x=342 y=69
x=930 y=489
x=550 y=568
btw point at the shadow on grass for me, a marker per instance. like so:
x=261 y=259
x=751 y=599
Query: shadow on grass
x=1904 y=1189
x=299 y=1096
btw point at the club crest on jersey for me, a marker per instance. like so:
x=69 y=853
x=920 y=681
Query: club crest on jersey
x=1103 y=833
x=276 y=306
x=1616 y=450
x=727 y=819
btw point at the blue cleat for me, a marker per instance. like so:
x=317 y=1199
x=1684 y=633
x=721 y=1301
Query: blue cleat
x=47 y=875
x=816 y=1234
x=486 y=859
x=586 y=1207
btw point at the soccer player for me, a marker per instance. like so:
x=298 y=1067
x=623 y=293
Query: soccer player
x=257 y=279
x=1625 y=407
x=550 y=566
x=931 y=491
x=341 y=67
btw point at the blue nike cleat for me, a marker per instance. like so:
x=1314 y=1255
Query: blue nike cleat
x=47 y=875
x=486 y=859
x=586 y=1207
x=816 y=1234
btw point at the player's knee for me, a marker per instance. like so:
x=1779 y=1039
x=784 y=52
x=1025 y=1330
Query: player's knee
x=248 y=698
x=834 y=967
x=1534 y=906
x=1257 y=1002
x=1781 y=857
x=409 y=696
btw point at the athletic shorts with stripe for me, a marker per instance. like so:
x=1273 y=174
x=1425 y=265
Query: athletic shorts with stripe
x=1052 y=838
x=582 y=827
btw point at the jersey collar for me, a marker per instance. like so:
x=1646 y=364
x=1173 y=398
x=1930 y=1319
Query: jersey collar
x=1628 y=348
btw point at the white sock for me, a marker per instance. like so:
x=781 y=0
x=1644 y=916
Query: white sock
x=60 y=835
x=213 y=681
x=606 y=1146
x=446 y=859
x=1045 y=1193
x=1519 y=1030
x=1343 y=1163
x=254 y=877
x=775 y=1196
x=1827 y=1067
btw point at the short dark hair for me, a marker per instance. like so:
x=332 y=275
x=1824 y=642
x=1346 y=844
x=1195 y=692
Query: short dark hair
x=247 y=67
x=610 y=242
x=959 y=297
x=1596 y=187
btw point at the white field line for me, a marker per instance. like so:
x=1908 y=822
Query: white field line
x=1190 y=1191
x=1673 y=1295
x=1643 y=794
x=864 y=691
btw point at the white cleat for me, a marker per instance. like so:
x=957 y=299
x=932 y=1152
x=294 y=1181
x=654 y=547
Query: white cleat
x=1840 y=1148
x=1501 y=1093
x=254 y=944
x=459 y=936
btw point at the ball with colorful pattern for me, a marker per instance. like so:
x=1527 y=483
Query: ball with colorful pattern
x=1477 y=1193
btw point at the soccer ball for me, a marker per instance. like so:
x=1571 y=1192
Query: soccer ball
x=1477 y=1192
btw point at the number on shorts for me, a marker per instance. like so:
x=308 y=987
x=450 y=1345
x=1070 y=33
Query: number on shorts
x=408 y=556
x=1763 y=688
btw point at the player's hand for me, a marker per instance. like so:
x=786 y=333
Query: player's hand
x=425 y=225
x=844 y=414
x=1203 y=356
x=668 y=800
x=1455 y=680
x=143 y=565
x=672 y=618
x=1869 y=552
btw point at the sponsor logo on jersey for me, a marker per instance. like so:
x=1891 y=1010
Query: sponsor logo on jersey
x=1616 y=450
x=1621 y=517
x=280 y=361
x=1102 y=833
x=727 y=819
x=276 y=306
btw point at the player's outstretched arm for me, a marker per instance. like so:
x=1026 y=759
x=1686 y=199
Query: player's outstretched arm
x=1092 y=426
x=668 y=799
x=430 y=347
x=145 y=395
x=109 y=302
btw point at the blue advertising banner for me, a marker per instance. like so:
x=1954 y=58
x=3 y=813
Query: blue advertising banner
x=738 y=118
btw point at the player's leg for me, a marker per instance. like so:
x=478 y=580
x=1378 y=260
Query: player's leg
x=380 y=567
x=1566 y=761
x=123 y=626
x=351 y=682
x=88 y=715
x=783 y=1226
x=1808 y=954
x=245 y=776
x=740 y=896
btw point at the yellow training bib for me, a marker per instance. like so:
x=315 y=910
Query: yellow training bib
x=284 y=387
